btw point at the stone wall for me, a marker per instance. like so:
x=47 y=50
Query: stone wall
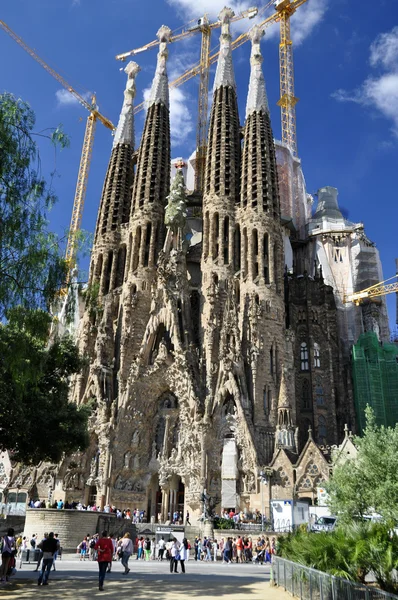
x=71 y=525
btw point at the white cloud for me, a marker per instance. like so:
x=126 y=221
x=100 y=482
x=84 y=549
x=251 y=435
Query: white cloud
x=384 y=50
x=379 y=92
x=65 y=98
x=303 y=21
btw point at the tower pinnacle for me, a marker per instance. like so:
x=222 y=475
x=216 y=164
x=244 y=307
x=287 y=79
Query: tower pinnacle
x=160 y=85
x=225 y=72
x=125 y=129
x=257 y=96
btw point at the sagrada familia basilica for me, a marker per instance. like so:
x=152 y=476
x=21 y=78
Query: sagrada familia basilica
x=214 y=323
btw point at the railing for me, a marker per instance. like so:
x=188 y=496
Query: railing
x=310 y=584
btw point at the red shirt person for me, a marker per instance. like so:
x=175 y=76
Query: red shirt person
x=104 y=548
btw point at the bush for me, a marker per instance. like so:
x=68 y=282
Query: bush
x=351 y=553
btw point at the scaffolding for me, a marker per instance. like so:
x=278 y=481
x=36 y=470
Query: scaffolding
x=375 y=377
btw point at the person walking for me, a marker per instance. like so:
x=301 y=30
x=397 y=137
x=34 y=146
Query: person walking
x=187 y=519
x=104 y=550
x=38 y=547
x=57 y=550
x=7 y=553
x=147 y=548
x=183 y=554
x=83 y=548
x=174 y=551
x=48 y=546
x=126 y=546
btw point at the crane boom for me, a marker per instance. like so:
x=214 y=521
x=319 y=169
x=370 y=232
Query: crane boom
x=379 y=289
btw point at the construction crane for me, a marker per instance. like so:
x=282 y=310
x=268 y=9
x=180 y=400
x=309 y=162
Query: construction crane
x=284 y=10
x=85 y=159
x=378 y=289
x=204 y=27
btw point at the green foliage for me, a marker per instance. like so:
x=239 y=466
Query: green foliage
x=31 y=266
x=36 y=420
x=220 y=523
x=91 y=295
x=369 y=482
x=351 y=552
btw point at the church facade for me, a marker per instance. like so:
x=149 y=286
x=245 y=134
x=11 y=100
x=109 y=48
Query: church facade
x=212 y=355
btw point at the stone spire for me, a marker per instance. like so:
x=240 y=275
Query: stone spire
x=223 y=154
x=259 y=186
x=160 y=84
x=257 y=97
x=125 y=129
x=225 y=71
x=116 y=193
x=152 y=180
x=284 y=435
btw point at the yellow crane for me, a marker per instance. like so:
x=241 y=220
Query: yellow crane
x=378 y=289
x=85 y=159
x=204 y=27
x=287 y=102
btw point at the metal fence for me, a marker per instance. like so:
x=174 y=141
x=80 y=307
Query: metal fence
x=310 y=584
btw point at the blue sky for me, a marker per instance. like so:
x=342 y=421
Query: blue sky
x=346 y=77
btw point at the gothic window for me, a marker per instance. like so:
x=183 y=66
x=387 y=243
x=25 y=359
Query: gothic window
x=265 y=258
x=305 y=395
x=195 y=316
x=137 y=249
x=147 y=244
x=216 y=234
x=271 y=360
x=276 y=270
x=245 y=257
x=206 y=235
x=266 y=402
x=98 y=268
x=317 y=356
x=304 y=364
x=237 y=249
x=338 y=257
x=226 y=240
x=320 y=400
x=254 y=254
x=322 y=431
x=107 y=278
x=121 y=263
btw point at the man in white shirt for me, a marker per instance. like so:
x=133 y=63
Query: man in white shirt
x=161 y=546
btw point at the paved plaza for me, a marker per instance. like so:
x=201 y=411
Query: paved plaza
x=146 y=580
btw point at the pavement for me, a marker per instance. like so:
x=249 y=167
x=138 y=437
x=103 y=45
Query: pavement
x=75 y=580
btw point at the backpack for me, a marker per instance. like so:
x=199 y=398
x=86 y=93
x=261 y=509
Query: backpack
x=148 y=545
x=33 y=543
x=92 y=544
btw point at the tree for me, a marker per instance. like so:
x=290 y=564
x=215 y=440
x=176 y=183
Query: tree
x=36 y=420
x=31 y=266
x=368 y=482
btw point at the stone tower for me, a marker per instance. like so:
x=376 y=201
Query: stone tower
x=259 y=271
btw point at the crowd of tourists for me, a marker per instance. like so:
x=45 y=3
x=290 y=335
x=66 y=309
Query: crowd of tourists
x=108 y=548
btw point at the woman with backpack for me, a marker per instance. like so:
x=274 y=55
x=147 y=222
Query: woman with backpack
x=7 y=553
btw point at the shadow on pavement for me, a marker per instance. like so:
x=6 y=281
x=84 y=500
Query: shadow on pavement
x=156 y=586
